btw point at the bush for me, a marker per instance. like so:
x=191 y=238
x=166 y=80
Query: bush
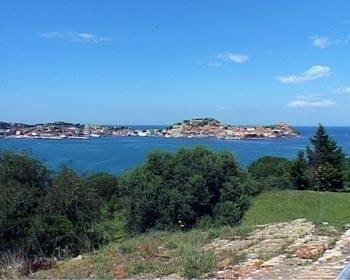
x=42 y=214
x=51 y=235
x=103 y=185
x=233 y=202
x=108 y=230
x=23 y=184
x=175 y=190
x=269 y=166
x=70 y=206
x=272 y=172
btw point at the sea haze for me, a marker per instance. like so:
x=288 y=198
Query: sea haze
x=118 y=154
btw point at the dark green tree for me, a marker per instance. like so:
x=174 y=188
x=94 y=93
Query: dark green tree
x=176 y=190
x=271 y=172
x=234 y=201
x=347 y=174
x=326 y=161
x=103 y=184
x=299 y=172
x=23 y=185
x=66 y=214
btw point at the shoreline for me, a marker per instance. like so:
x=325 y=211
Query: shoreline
x=58 y=138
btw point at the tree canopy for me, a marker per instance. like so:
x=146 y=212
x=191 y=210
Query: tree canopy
x=326 y=161
x=176 y=190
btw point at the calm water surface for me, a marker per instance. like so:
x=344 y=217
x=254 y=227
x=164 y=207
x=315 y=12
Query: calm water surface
x=117 y=154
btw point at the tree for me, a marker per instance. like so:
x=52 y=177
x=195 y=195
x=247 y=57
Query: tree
x=103 y=184
x=272 y=172
x=42 y=214
x=66 y=214
x=233 y=202
x=326 y=161
x=23 y=185
x=347 y=174
x=172 y=190
x=299 y=172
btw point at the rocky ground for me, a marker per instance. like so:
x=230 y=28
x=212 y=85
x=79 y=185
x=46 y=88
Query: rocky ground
x=296 y=250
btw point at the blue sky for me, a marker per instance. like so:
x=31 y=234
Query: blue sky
x=157 y=62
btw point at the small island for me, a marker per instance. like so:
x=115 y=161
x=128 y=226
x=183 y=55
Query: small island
x=194 y=128
x=209 y=127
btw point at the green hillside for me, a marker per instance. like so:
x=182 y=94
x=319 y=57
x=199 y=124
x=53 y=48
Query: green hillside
x=158 y=253
x=317 y=207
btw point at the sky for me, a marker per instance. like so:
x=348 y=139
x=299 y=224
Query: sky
x=159 y=62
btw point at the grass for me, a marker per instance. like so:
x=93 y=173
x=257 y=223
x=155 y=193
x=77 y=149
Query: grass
x=152 y=255
x=284 y=206
x=12 y=266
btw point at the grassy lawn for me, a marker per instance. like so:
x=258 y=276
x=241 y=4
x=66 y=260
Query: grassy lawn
x=317 y=207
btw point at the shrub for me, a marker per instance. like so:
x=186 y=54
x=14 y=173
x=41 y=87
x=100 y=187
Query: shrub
x=103 y=185
x=51 y=235
x=271 y=172
x=23 y=184
x=269 y=166
x=69 y=206
x=176 y=190
x=42 y=214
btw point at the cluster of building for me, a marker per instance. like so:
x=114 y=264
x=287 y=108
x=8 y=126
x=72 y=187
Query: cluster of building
x=200 y=127
x=58 y=130
x=209 y=127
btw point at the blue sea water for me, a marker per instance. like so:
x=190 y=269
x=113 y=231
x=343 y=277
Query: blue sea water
x=118 y=154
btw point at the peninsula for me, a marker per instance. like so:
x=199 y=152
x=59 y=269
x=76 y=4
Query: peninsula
x=194 y=128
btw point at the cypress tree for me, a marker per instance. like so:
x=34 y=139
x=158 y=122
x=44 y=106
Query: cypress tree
x=326 y=160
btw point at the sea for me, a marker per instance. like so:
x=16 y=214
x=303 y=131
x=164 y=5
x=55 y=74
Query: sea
x=118 y=154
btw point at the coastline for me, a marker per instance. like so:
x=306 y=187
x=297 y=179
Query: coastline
x=143 y=136
x=194 y=128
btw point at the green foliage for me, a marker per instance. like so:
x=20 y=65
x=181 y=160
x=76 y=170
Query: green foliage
x=51 y=234
x=23 y=182
x=271 y=172
x=107 y=231
x=234 y=201
x=299 y=172
x=347 y=175
x=103 y=184
x=325 y=162
x=176 y=190
x=42 y=214
x=23 y=169
x=69 y=196
x=65 y=215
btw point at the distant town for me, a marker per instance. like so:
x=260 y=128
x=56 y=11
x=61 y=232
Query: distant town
x=194 y=128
